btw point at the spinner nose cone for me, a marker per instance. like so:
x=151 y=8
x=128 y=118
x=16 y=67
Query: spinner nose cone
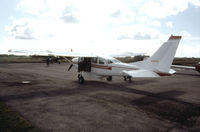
x=75 y=60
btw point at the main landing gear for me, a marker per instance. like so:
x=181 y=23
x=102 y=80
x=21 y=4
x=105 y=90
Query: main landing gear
x=80 y=79
x=109 y=78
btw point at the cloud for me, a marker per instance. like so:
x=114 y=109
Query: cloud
x=30 y=29
x=21 y=31
x=44 y=8
x=140 y=36
x=122 y=16
x=163 y=8
x=188 y=49
x=80 y=22
x=34 y=7
x=185 y=34
x=124 y=36
x=116 y=14
x=68 y=16
x=169 y=24
x=196 y=3
x=136 y=32
x=27 y=34
x=156 y=24
x=137 y=36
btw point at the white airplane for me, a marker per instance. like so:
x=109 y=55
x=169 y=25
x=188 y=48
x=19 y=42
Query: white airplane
x=157 y=65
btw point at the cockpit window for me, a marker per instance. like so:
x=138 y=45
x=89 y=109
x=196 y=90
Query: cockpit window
x=94 y=60
x=113 y=61
x=109 y=62
x=101 y=61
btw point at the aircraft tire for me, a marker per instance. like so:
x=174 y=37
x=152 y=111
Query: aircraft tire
x=79 y=75
x=81 y=80
x=125 y=78
x=129 y=78
x=109 y=78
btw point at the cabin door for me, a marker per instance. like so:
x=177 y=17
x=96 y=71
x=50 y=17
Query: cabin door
x=84 y=64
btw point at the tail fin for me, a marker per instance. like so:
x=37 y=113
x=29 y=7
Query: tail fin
x=162 y=59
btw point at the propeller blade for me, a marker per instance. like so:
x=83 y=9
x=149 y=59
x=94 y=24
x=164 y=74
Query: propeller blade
x=70 y=67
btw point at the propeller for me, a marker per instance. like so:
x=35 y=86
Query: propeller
x=70 y=67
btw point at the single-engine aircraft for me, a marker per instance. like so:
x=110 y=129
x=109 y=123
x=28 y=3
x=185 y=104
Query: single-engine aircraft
x=105 y=66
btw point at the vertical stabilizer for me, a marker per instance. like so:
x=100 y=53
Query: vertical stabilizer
x=162 y=59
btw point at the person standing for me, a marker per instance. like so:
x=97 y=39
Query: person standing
x=47 y=60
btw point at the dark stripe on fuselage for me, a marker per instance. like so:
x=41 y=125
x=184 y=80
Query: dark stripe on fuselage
x=163 y=74
x=102 y=67
x=98 y=66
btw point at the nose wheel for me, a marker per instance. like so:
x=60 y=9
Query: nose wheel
x=127 y=78
x=80 y=79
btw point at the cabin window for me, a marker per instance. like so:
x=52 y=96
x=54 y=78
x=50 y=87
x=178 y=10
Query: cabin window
x=94 y=60
x=101 y=61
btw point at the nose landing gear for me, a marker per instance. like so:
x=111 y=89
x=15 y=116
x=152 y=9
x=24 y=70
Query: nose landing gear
x=80 y=79
x=127 y=78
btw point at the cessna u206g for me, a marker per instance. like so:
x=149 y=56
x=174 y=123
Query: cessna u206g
x=157 y=65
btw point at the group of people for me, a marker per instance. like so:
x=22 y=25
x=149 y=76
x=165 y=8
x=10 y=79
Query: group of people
x=52 y=60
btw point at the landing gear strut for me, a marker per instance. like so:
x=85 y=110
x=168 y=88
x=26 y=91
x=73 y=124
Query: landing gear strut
x=109 y=78
x=80 y=79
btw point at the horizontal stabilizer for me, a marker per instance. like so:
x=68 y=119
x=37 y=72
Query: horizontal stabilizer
x=140 y=73
x=183 y=67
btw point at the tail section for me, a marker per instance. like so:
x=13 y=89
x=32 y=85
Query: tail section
x=162 y=59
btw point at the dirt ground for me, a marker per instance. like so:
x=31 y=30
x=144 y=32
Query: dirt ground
x=55 y=101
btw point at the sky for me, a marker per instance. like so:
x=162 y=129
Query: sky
x=99 y=26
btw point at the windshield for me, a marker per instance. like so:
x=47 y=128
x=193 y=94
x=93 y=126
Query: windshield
x=113 y=61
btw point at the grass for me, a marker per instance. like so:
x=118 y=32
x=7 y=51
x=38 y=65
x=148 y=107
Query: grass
x=25 y=59
x=186 y=61
x=10 y=121
x=21 y=59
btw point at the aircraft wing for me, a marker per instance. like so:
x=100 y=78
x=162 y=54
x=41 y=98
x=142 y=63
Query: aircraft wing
x=27 y=52
x=183 y=67
x=140 y=73
x=49 y=53
x=126 y=54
